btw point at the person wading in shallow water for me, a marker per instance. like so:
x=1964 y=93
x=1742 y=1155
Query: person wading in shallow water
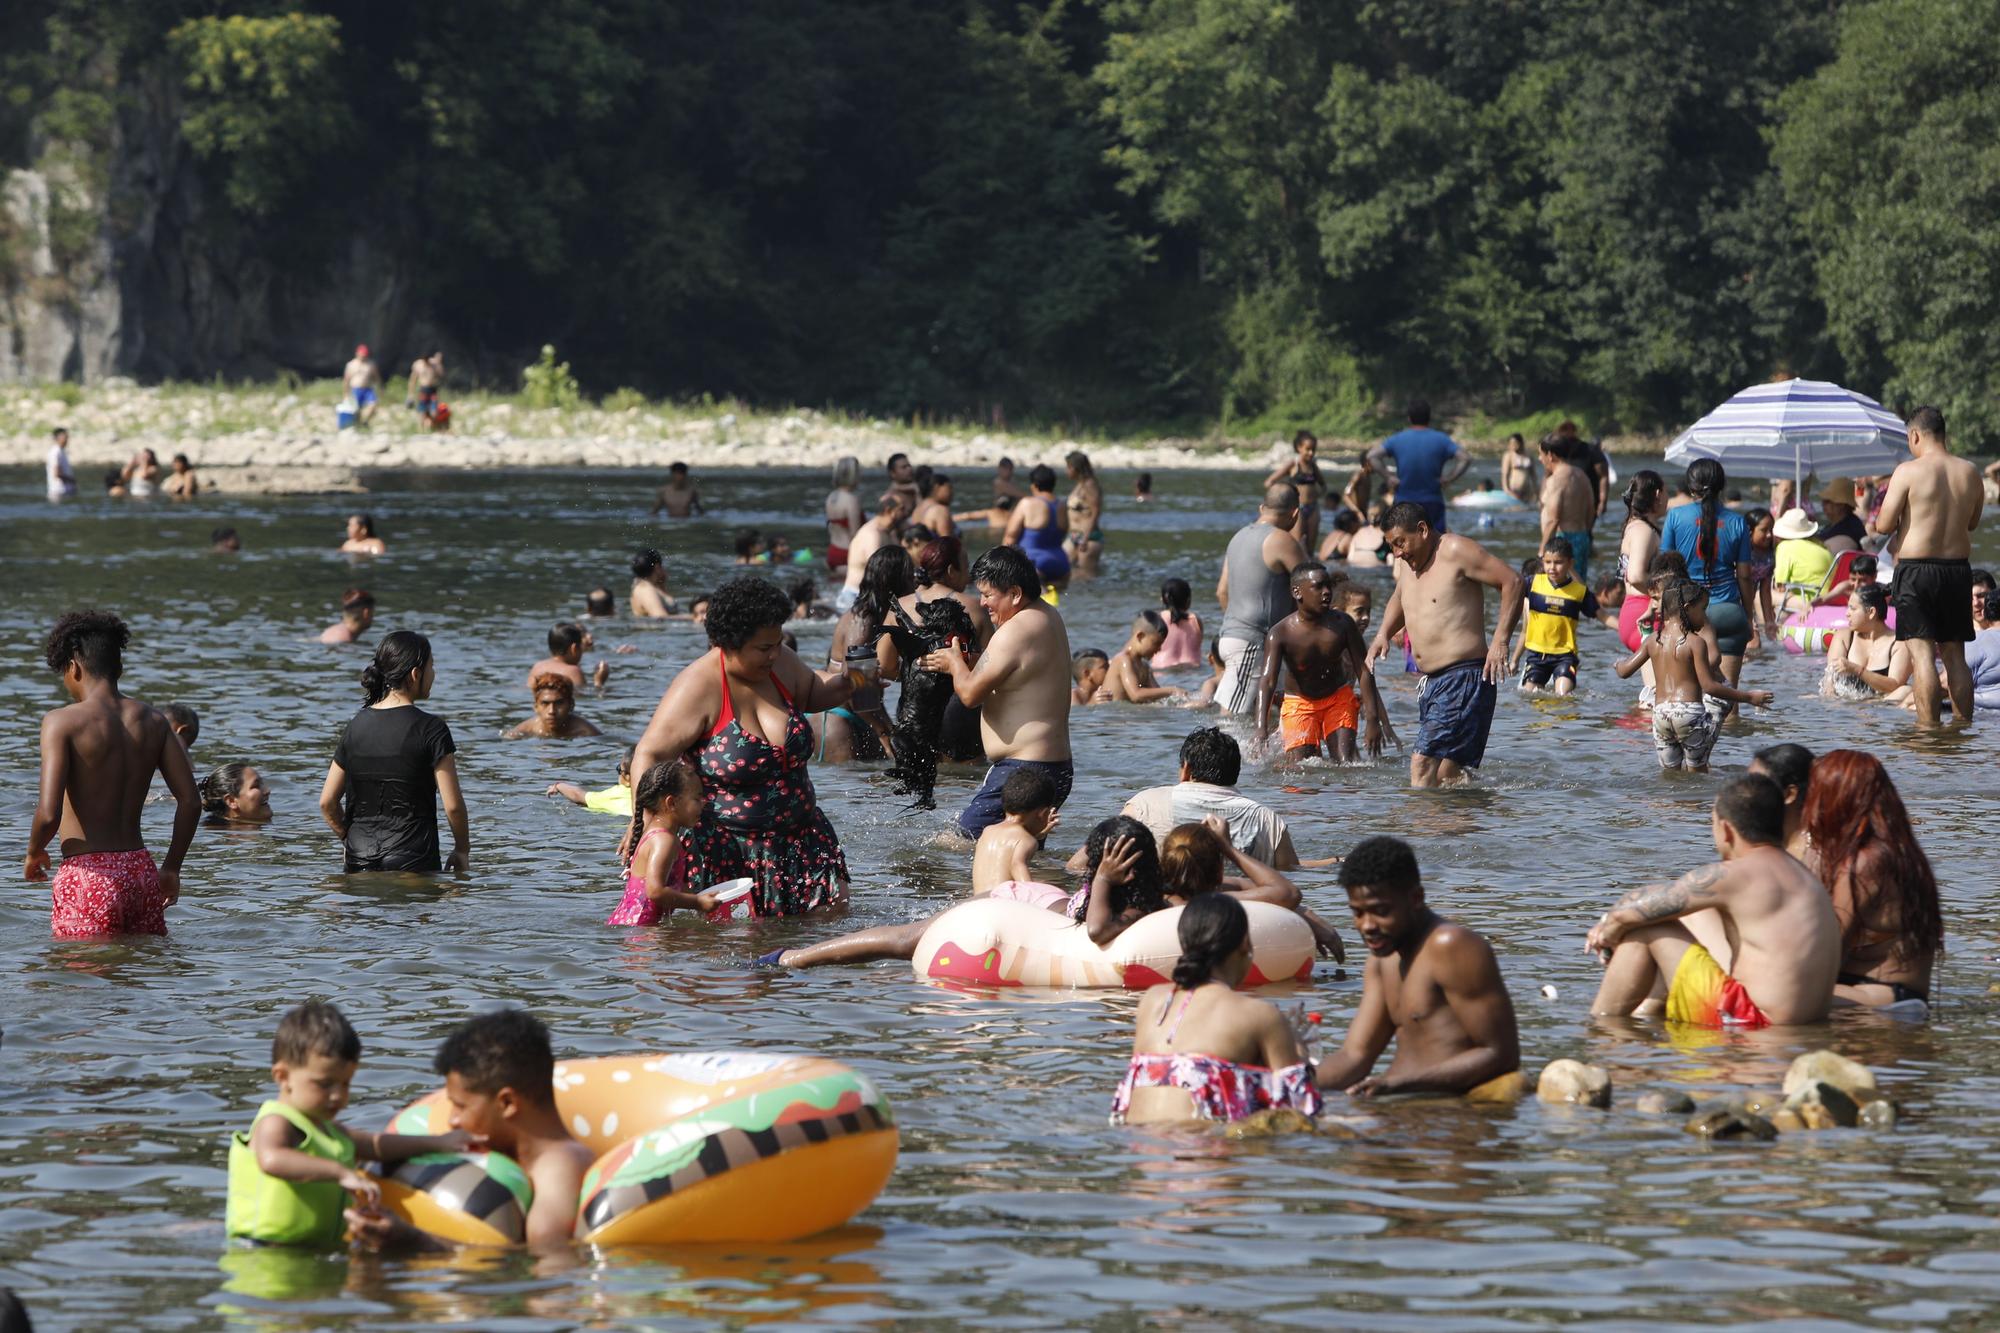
x=1931 y=509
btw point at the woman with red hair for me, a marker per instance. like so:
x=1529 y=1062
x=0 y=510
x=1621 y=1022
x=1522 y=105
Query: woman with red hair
x=1884 y=893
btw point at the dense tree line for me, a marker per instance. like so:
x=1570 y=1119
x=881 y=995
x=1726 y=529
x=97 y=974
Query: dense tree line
x=1116 y=211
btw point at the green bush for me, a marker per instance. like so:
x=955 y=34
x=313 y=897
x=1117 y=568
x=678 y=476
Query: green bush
x=620 y=400
x=548 y=382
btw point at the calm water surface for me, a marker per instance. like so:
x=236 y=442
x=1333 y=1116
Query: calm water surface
x=125 y=1066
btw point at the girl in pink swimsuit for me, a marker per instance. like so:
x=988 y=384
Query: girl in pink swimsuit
x=666 y=803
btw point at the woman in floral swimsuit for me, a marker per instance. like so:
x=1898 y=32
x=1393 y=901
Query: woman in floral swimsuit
x=740 y=713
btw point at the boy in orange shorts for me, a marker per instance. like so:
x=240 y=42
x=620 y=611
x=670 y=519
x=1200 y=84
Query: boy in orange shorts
x=1324 y=652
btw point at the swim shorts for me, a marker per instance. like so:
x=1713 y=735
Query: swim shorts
x=983 y=811
x=1310 y=723
x=1541 y=669
x=1242 y=670
x=362 y=397
x=1455 y=712
x=1933 y=600
x=108 y=893
x=1704 y=995
x=1580 y=542
x=836 y=557
x=1683 y=733
x=427 y=400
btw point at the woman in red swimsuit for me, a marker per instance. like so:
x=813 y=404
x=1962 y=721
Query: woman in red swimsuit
x=739 y=712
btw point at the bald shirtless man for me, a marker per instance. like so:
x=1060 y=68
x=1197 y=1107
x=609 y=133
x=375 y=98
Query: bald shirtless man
x=1932 y=507
x=1429 y=983
x=363 y=383
x=1750 y=942
x=1440 y=595
x=869 y=538
x=99 y=755
x=1569 y=502
x=1021 y=683
x=1255 y=593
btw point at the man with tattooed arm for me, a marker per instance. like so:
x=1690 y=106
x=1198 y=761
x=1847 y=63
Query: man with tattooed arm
x=1750 y=942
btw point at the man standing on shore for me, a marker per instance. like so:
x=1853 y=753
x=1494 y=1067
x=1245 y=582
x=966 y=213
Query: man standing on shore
x=1931 y=509
x=1421 y=456
x=1020 y=684
x=1255 y=592
x=1440 y=594
x=362 y=380
x=62 y=477
x=426 y=378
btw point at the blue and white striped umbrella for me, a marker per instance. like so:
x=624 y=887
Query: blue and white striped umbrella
x=1796 y=427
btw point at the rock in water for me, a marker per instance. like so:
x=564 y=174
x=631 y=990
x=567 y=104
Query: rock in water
x=1823 y=1106
x=1879 y=1114
x=1663 y=1103
x=1270 y=1123
x=926 y=694
x=1572 y=1081
x=1729 y=1120
x=1832 y=1068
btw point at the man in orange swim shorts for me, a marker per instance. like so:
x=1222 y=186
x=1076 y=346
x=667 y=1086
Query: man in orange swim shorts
x=1322 y=649
x=99 y=755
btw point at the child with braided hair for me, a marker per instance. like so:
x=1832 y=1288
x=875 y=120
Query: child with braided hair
x=666 y=803
x=1686 y=672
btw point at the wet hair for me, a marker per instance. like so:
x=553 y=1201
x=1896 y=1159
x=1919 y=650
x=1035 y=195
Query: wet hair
x=1281 y=497
x=1305 y=569
x=1609 y=590
x=1788 y=765
x=846 y=472
x=1347 y=521
x=314 y=1028
x=1705 y=482
x=1143 y=482
x=1212 y=927
x=1004 y=462
x=220 y=785
x=1873 y=596
x=598 y=602
x=356 y=599
x=699 y=599
x=1419 y=412
x=1028 y=789
x=1560 y=546
x=565 y=635
x=677 y=469
x=1665 y=564
x=1983 y=578
x=746 y=542
x=741 y=607
x=890 y=574
x=219 y=535
x=1754 y=806
x=1005 y=504
x=940 y=556
x=1381 y=863
x=553 y=680
x=1679 y=597
x=1928 y=421
x=1151 y=622
x=1301 y=436
x=1862 y=567
x=1078 y=462
x=939 y=480
x=1175 y=595
x=1190 y=862
x=1642 y=495
x=1005 y=568
x=180 y=715
x=917 y=535
x=367 y=522
x=401 y=653
x=1042 y=477
x=1858 y=824
x=1143 y=889
x=666 y=780
x=920 y=477
x=644 y=563
x=94 y=640
x=1990 y=605
x=113 y=478
x=802 y=591
x=1211 y=755
x=1080 y=660
x=1405 y=514
x=507 y=1048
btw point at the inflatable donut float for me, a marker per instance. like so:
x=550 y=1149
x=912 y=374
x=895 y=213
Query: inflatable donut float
x=1814 y=630
x=990 y=942
x=716 y=1146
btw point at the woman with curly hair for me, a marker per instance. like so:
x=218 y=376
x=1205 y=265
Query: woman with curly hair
x=739 y=711
x=1891 y=923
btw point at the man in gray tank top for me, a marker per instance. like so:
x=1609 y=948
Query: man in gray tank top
x=1255 y=594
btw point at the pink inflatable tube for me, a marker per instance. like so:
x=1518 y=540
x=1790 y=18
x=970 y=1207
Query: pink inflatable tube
x=989 y=942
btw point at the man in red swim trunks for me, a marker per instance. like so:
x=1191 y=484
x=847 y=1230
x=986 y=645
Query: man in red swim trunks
x=99 y=755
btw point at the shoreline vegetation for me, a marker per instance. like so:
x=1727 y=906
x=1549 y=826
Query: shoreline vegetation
x=282 y=436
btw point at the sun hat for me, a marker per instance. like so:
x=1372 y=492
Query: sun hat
x=1793 y=525
x=1839 y=490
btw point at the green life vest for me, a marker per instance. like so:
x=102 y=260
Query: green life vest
x=287 y=1212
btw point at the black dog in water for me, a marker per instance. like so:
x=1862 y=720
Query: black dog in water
x=920 y=711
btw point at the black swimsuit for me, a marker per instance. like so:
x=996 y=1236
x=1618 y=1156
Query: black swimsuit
x=1896 y=988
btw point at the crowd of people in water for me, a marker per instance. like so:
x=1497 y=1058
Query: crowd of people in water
x=1820 y=895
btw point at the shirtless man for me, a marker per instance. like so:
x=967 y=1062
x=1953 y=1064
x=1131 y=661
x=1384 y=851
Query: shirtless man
x=1750 y=942
x=935 y=512
x=555 y=716
x=99 y=755
x=361 y=538
x=1255 y=594
x=902 y=486
x=364 y=383
x=869 y=538
x=1518 y=471
x=678 y=497
x=1004 y=485
x=1440 y=594
x=1429 y=983
x=1021 y=682
x=1932 y=507
x=649 y=599
x=1129 y=673
x=357 y=613
x=426 y=378
x=1323 y=650
x=568 y=642
x=1569 y=503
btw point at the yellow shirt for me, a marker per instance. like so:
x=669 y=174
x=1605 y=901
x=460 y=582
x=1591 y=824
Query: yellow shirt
x=1802 y=563
x=1552 y=614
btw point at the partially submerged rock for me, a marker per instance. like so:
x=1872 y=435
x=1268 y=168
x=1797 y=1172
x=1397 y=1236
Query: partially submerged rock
x=1575 y=1083
x=1823 y=1106
x=1729 y=1120
x=1831 y=1068
x=1270 y=1123
x=1663 y=1103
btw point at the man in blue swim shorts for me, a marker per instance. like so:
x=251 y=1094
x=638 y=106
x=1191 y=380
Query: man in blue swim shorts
x=1440 y=597
x=362 y=380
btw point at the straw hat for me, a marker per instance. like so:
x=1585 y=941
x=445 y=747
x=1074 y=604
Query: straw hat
x=1793 y=525
x=1840 y=491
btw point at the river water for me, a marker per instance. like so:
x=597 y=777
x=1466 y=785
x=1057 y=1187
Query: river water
x=125 y=1066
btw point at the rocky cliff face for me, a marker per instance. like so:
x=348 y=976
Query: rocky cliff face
x=147 y=274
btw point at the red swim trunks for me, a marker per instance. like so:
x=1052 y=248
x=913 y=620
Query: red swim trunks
x=108 y=893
